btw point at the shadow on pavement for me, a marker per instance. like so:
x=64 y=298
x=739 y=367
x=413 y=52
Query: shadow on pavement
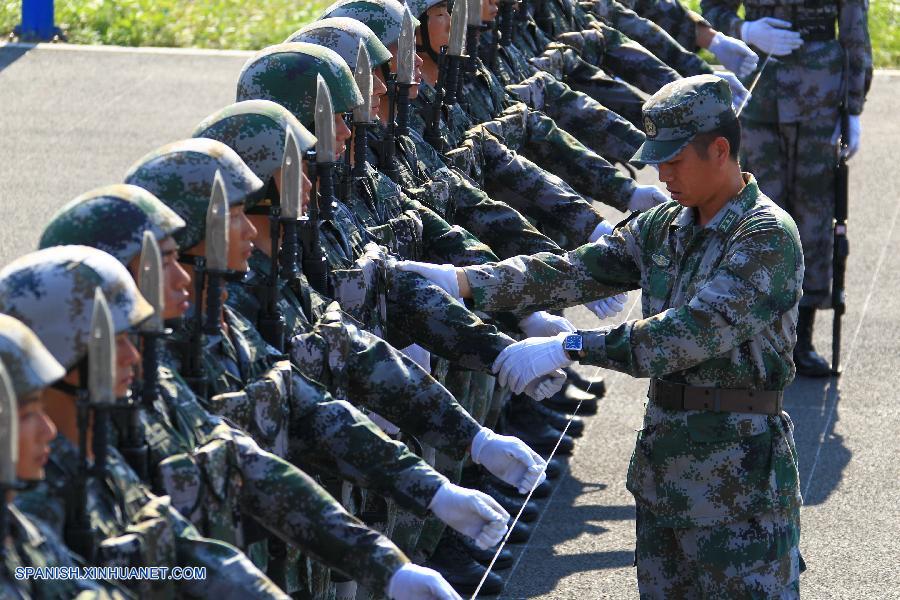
x=581 y=520
x=811 y=403
x=13 y=52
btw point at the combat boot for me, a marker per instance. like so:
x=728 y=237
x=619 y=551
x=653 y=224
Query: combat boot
x=484 y=557
x=534 y=430
x=559 y=420
x=489 y=485
x=568 y=398
x=809 y=363
x=594 y=385
x=461 y=571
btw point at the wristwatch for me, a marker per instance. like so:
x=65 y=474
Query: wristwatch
x=573 y=345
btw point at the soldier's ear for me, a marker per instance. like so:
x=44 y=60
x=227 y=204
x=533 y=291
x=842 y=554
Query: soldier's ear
x=721 y=150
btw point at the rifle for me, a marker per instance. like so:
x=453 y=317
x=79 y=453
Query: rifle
x=322 y=201
x=217 y=219
x=473 y=35
x=362 y=114
x=432 y=133
x=456 y=50
x=506 y=20
x=192 y=356
x=406 y=61
x=841 y=244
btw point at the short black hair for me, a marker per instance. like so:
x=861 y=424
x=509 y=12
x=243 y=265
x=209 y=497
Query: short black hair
x=731 y=131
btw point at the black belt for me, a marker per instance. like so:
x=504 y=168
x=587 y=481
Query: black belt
x=816 y=30
x=676 y=396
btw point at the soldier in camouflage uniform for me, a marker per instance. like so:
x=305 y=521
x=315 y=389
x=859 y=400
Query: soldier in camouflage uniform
x=189 y=448
x=714 y=471
x=792 y=123
x=26 y=369
x=53 y=291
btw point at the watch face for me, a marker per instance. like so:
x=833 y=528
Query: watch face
x=573 y=343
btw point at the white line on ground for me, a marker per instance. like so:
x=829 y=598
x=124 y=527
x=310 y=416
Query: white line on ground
x=848 y=362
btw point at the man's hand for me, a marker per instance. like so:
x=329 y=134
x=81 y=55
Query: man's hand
x=508 y=459
x=602 y=228
x=412 y=582
x=543 y=324
x=524 y=361
x=853 y=135
x=443 y=276
x=546 y=386
x=608 y=307
x=646 y=196
x=772 y=36
x=472 y=513
x=739 y=94
x=735 y=55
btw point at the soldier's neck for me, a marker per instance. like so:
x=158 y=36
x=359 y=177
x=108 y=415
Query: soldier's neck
x=731 y=185
x=429 y=69
x=263 y=239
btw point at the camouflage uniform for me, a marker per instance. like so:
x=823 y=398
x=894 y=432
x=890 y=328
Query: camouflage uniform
x=52 y=291
x=717 y=493
x=789 y=122
x=216 y=475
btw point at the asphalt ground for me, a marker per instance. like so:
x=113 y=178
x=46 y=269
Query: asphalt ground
x=73 y=118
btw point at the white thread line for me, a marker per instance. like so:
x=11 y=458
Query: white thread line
x=848 y=362
x=753 y=86
x=537 y=482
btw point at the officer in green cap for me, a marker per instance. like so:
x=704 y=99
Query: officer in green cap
x=720 y=267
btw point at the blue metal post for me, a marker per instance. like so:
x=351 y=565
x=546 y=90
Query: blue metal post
x=37 y=21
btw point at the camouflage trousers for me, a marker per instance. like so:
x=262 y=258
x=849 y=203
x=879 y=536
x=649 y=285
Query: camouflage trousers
x=794 y=165
x=752 y=559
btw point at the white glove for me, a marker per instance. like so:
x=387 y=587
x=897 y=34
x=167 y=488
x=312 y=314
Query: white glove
x=443 y=276
x=739 y=94
x=523 y=361
x=419 y=355
x=412 y=582
x=646 y=196
x=607 y=307
x=543 y=324
x=544 y=387
x=472 y=513
x=772 y=36
x=383 y=424
x=509 y=459
x=853 y=134
x=735 y=55
x=602 y=228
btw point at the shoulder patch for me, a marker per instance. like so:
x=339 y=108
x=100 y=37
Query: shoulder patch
x=727 y=221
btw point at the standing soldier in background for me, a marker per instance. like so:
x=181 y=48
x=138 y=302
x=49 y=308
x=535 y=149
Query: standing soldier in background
x=792 y=124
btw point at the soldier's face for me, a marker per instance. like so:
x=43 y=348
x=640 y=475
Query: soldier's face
x=438 y=26
x=127 y=358
x=35 y=432
x=175 y=279
x=241 y=234
x=489 y=10
x=690 y=178
x=378 y=92
x=341 y=135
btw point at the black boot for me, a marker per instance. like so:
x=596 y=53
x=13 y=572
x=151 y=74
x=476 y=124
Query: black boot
x=461 y=571
x=554 y=468
x=484 y=557
x=558 y=420
x=568 y=398
x=594 y=385
x=534 y=430
x=809 y=363
x=490 y=485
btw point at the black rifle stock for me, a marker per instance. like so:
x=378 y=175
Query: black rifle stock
x=78 y=534
x=271 y=322
x=192 y=356
x=505 y=18
x=315 y=265
x=841 y=249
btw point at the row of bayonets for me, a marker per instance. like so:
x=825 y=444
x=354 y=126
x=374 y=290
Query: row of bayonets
x=295 y=242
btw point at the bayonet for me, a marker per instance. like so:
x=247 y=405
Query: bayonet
x=150 y=283
x=324 y=123
x=362 y=114
x=101 y=349
x=9 y=448
x=406 y=70
x=291 y=202
x=217 y=223
x=473 y=33
x=456 y=49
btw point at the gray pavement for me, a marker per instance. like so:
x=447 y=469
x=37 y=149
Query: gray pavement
x=75 y=118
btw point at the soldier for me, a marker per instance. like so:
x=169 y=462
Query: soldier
x=189 y=447
x=26 y=369
x=714 y=471
x=792 y=124
x=112 y=515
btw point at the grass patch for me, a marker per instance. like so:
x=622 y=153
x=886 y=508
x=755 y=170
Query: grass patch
x=239 y=24
x=231 y=24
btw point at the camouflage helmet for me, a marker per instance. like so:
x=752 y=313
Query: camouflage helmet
x=30 y=365
x=420 y=7
x=86 y=221
x=287 y=74
x=343 y=35
x=384 y=17
x=181 y=175
x=52 y=292
x=255 y=130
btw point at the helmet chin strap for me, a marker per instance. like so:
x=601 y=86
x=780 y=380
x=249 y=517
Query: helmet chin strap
x=426 y=45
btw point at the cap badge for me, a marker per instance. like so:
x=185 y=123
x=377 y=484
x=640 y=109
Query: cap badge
x=649 y=127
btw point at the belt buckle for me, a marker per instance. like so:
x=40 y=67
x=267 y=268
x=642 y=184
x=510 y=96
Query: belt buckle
x=717 y=400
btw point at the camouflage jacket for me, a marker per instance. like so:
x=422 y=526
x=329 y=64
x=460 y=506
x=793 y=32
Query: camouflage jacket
x=362 y=368
x=719 y=309
x=219 y=477
x=137 y=528
x=31 y=543
x=501 y=228
x=808 y=83
x=267 y=397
